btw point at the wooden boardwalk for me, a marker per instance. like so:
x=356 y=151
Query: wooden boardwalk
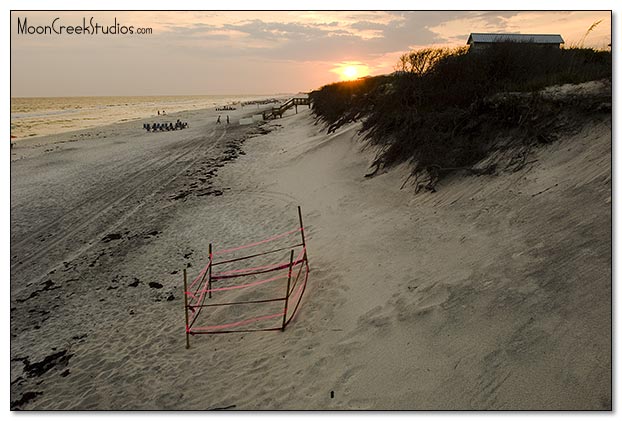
x=292 y=102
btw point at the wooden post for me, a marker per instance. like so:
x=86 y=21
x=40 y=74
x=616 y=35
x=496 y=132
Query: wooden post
x=302 y=232
x=186 y=309
x=209 y=271
x=289 y=279
x=296 y=105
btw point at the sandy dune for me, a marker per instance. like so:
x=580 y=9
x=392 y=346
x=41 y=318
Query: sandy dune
x=494 y=293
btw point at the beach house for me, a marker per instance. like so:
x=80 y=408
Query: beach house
x=481 y=41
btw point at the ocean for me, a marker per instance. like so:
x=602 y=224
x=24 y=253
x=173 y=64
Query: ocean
x=44 y=116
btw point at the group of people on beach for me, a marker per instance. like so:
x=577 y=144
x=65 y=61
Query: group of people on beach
x=218 y=120
x=225 y=108
x=179 y=125
x=260 y=102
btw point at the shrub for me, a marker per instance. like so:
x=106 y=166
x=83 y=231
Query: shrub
x=436 y=113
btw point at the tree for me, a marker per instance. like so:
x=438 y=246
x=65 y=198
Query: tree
x=419 y=62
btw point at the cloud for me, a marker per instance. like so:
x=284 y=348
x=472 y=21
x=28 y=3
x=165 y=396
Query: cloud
x=365 y=25
x=277 y=31
x=314 y=39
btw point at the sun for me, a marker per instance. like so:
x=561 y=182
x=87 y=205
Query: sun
x=350 y=72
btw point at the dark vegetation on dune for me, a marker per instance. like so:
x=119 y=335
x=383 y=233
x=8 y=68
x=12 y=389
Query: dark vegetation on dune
x=446 y=110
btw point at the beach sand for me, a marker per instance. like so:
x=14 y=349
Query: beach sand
x=494 y=293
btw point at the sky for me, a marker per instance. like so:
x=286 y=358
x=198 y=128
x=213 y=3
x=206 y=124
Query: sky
x=259 y=52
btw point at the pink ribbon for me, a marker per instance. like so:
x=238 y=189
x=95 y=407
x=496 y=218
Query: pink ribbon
x=267 y=240
x=236 y=324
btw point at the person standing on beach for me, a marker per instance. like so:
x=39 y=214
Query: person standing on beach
x=158 y=112
x=218 y=121
x=227 y=119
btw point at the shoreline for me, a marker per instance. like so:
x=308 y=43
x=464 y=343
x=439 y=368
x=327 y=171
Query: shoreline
x=23 y=147
x=121 y=119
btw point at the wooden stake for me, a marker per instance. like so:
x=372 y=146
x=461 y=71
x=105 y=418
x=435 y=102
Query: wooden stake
x=302 y=232
x=186 y=309
x=289 y=279
x=209 y=279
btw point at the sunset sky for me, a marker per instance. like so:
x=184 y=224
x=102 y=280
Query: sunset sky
x=256 y=52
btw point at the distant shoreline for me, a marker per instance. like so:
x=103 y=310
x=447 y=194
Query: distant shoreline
x=34 y=145
x=37 y=117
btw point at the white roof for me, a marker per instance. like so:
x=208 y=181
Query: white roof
x=531 y=38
